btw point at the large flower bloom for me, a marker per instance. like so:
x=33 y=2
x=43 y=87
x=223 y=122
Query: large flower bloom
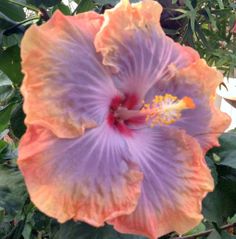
x=118 y=118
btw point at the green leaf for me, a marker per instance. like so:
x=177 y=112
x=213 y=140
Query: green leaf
x=3 y=149
x=74 y=230
x=13 y=35
x=23 y=3
x=63 y=8
x=2 y=213
x=5 y=21
x=227 y=150
x=232 y=219
x=14 y=12
x=188 y=37
x=6 y=92
x=10 y=64
x=214 y=235
x=46 y=3
x=4 y=80
x=5 y=115
x=192 y=17
x=112 y=2
x=221 y=4
x=212 y=166
x=41 y=221
x=233 y=5
x=103 y=2
x=184 y=15
x=17 y=231
x=188 y=3
x=12 y=190
x=3 y=133
x=225 y=235
x=220 y=204
x=84 y=5
x=50 y=3
x=11 y=39
x=211 y=18
x=7 y=151
x=221 y=235
x=26 y=233
x=201 y=35
x=17 y=121
x=199 y=228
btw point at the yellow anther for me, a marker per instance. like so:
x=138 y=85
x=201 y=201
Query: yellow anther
x=166 y=109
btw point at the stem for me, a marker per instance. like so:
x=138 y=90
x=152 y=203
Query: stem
x=206 y=233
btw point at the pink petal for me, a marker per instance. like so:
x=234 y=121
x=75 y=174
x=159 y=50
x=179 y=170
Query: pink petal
x=89 y=178
x=176 y=179
x=134 y=45
x=66 y=88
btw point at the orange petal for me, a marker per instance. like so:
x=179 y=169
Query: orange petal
x=119 y=23
x=205 y=78
x=219 y=122
x=59 y=62
x=204 y=81
x=199 y=82
x=88 y=179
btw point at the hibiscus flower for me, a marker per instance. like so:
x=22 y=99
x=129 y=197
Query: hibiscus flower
x=119 y=118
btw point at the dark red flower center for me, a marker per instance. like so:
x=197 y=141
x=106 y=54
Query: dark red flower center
x=124 y=113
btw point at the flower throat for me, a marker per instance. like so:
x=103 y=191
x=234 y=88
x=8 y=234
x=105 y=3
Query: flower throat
x=163 y=110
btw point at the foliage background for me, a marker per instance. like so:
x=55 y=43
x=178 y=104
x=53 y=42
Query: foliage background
x=203 y=24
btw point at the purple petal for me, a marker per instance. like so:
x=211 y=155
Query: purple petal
x=133 y=44
x=89 y=179
x=66 y=87
x=197 y=81
x=175 y=181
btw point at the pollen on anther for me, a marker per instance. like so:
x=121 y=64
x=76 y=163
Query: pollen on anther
x=166 y=109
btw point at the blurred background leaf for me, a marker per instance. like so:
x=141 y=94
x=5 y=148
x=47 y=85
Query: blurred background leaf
x=45 y=3
x=74 y=230
x=14 y=12
x=10 y=64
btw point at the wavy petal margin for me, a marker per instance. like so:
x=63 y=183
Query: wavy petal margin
x=89 y=179
x=198 y=81
x=176 y=179
x=134 y=45
x=203 y=81
x=66 y=88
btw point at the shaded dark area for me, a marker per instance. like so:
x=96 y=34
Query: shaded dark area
x=169 y=13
